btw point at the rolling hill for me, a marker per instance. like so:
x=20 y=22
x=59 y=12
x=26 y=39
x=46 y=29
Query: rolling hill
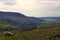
x=23 y=22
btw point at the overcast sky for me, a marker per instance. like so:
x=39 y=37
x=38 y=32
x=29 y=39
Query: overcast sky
x=36 y=8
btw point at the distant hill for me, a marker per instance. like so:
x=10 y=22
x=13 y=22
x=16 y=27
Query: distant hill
x=15 y=18
x=21 y=21
x=51 y=19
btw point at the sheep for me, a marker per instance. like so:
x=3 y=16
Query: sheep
x=8 y=34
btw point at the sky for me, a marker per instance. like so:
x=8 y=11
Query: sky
x=35 y=8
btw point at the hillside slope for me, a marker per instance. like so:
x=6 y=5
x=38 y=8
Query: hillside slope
x=23 y=22
x=19 y=20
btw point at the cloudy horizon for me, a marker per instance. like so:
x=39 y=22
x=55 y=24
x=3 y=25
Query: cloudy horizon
x=35 y=8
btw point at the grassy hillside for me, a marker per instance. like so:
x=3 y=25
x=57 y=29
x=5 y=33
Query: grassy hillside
x=45 y=33
x=7 y=25
x=4 y=25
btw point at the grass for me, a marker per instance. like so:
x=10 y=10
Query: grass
x=48 y=33
x=41 y=34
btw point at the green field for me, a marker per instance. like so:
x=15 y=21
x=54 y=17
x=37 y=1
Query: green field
x=44 y=33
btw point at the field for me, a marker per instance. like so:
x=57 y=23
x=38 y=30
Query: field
x=48 y=33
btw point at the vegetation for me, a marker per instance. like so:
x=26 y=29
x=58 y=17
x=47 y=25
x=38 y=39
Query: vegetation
x=43 y=31
x=46 y=32
x=29 y=28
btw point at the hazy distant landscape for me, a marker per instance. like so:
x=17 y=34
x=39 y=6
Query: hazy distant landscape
x=29 y=28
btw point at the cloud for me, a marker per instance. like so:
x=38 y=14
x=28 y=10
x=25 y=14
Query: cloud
x=8 y=2
x=35 y=8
